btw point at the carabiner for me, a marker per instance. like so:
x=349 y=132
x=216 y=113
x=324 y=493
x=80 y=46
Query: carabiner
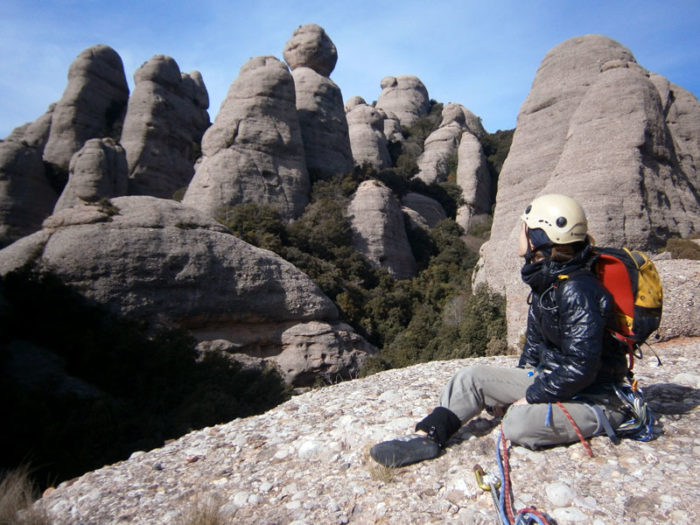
x=480 y=475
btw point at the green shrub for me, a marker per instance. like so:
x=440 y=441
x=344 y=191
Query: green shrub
x=414 y=140
x=496 y=147
x=683 y=249
x=145 y=385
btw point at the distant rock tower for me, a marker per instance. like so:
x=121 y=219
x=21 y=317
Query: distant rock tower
x=253 y=152
x=311 y=55
x=92 y=106
x=163 y=128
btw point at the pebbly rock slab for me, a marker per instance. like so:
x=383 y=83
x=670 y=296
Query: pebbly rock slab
x=26 y=196
x=680 y=279
x=307 y=461
x=367 y=140
x=253 y=152
x=92 y=105
x=405 y=96
x=379 y=230
x=97 y=171
x=324 y=127
x=593 y=127
x=311 y=47
x=165 y=120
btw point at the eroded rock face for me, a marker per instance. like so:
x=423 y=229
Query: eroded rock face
x=254 y=152
x=26 y=197
x=34 y=134
x=405 y=96
x=439 y=153
x=454 y=148
x=156 y=256
x=379 y=231
x=149 y=258
x=475 y=180
x=594 y=126
x=304 y=353
x=367 y=140
x=92 y=105
x=97 y=171
x=311 y=47
x=165 y=120
x=429 y=210
x=324 y=128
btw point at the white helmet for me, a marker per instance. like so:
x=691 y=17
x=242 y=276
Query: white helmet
x=561 y=218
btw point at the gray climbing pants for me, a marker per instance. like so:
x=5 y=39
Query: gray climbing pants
x=474 y=388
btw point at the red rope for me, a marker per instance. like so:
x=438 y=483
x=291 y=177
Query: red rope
x=533 y=510
x=578 y=430
x=506 y=480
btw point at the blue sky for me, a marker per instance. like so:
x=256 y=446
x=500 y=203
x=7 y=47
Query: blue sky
x=483 y=55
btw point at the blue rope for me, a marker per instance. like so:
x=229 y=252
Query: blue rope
x=501 y=499
x=548 y=417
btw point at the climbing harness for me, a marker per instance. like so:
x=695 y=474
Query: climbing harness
x=640 y=425
x=501 y=491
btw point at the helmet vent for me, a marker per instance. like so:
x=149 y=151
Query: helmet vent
x=561 y=222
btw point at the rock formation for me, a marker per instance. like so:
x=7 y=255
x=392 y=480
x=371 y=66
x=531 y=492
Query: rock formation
x=474 y=178
x=34 y=134
x=324 y=127
x=165 y=120
x=367 y=140
x=439 y=153
x=594 y=126
x=311 y=56
x=253 y=152
x=97 y=171
x=405 y=96
x=379 y=231
x=92 y=105
x=452 y=112
x=454 y=147
x=26 y=197
x=311 y=47
x=306 y=461
x=149 y=258
x=682 y=111
x=352 y=102
x=429 y=211
x=681 y=284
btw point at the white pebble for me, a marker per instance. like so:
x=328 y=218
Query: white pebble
x=559 y=494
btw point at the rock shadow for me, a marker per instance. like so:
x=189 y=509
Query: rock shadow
x=671 y=398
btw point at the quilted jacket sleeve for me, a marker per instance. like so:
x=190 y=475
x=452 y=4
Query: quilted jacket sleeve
x=582 y=320
x=533 y=338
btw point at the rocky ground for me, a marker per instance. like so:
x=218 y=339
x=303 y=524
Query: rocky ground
x=307 y=461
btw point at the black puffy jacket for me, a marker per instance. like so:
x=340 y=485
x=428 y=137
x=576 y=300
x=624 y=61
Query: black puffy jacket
x=567 y=337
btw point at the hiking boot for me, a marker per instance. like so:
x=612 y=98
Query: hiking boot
x=405 y=450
